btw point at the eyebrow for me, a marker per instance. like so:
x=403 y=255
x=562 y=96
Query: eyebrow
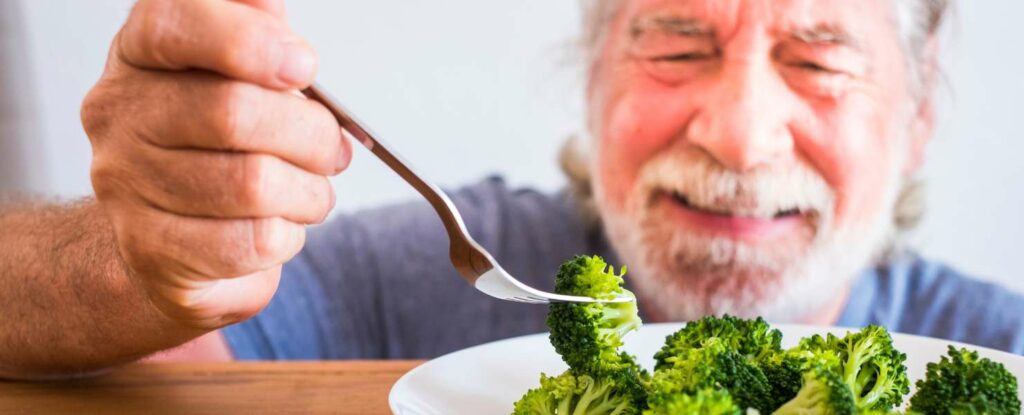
x=826 y=34
x=672 y=25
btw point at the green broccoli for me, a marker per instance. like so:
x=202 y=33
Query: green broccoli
x=728 y=365
x=823 y=393
x=540 y=401
x=868 y=363
x=714 y=365
x=752 y=338
x=963 y=383
x=630 y=379
x=569 y=394
x=784 y=375
x=979 y=405
x=588 y=335
x=704 y=402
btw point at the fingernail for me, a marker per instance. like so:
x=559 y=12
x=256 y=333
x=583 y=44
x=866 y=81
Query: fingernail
x=297 y=65
x=344 y=157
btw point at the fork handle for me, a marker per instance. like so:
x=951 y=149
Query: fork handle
x=465 y=253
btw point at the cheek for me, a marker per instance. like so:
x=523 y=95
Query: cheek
x=637 y=124
x=854 y=153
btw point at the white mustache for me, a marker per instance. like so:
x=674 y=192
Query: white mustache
x=691 y=173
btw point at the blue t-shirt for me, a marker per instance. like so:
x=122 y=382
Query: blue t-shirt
x=378 y=285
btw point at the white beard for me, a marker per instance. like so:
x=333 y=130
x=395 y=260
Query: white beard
x=683 y=276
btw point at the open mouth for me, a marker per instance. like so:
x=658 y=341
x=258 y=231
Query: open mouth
x=725 y=212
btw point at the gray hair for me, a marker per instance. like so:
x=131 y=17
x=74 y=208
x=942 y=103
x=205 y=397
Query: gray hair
x=918 y=22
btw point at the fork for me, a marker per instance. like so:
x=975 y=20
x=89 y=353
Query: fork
x=475 y=264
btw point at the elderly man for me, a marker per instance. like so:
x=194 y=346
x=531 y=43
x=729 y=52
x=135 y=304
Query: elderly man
x=747 y=157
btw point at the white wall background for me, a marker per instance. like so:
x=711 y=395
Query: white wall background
x=466 y=88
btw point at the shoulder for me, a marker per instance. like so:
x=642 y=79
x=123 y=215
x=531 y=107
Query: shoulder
x=927 y=297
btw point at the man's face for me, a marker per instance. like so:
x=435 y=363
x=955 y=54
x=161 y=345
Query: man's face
x=750 y=152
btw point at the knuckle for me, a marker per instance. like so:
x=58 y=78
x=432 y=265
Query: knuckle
x=233 y=261
x=138 y=248
x=107 y=177
x=208 y=249
x=95 y=113
x=270 y=239
x=149 y=31
x=241 y=53
x=233 y=114
x=254 y=182
x=135 y=246
x=263 y=244
x=101 y=176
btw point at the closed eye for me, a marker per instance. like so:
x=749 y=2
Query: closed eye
x=684 y=57
x=811 y=66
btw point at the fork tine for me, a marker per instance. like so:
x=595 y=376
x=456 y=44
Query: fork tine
x=499 y=284
x=528 y=300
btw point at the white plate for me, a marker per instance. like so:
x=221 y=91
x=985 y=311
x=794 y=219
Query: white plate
x=490 y=378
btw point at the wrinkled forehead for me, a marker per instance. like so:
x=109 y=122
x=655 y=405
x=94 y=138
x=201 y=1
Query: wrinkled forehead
x=857 y=22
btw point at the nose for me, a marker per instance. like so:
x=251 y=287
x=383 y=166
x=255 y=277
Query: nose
x=744 y=122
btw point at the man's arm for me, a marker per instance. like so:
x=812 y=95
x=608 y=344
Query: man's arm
x=69 y=304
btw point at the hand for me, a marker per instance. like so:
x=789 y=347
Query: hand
x=207 y=162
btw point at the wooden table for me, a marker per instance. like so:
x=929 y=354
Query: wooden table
x=336 y=387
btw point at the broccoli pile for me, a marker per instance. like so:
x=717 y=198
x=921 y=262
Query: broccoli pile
x=725 y=365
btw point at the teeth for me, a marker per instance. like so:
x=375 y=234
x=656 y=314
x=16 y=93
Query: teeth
x=787 y=212
x=755 y=212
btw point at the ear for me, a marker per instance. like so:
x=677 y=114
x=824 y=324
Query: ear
x=922 y=126
x=921 y=129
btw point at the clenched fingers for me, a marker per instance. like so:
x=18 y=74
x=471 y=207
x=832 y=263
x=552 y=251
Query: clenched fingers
x=234 y=39
x=215 y=184
x=189 y=250
x=216 y=303
x=204 y=111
